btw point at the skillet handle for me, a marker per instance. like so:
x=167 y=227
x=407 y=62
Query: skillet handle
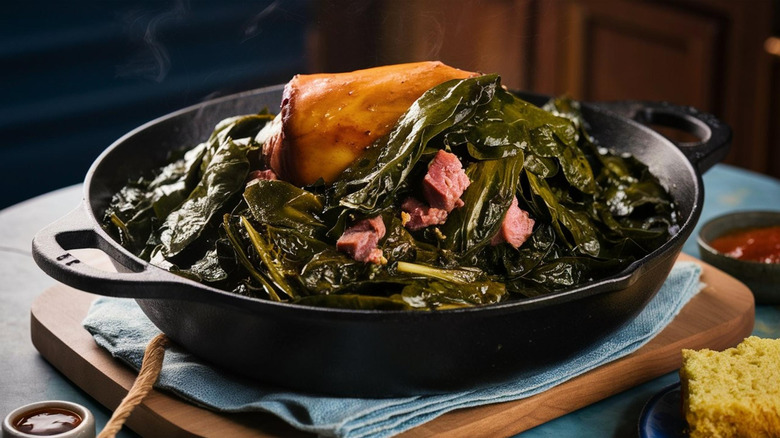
x=50 y=248
x=714 y=135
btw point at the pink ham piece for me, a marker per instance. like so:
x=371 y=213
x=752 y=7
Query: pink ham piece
x=516 y=228
x=421 y=215
x=360 y=241
x=445 y=182
x=267 y=174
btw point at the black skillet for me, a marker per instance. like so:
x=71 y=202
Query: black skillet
x=378 y=353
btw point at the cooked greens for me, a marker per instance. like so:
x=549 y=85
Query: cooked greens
x=595 y=212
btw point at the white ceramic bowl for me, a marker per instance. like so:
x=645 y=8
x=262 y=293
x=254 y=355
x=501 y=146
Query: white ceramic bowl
x=84 y=429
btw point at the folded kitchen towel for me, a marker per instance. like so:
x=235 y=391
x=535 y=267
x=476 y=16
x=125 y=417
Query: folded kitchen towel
x=120 y=326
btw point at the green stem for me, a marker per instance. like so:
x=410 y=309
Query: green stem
x=244 y=260
x=260 y=247
x=460 y=276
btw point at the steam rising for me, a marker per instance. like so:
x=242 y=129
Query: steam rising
x=435 y=34
x=151 y=61
x=253 y=28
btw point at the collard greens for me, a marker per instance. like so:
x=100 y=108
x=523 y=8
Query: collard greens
x=595 y=212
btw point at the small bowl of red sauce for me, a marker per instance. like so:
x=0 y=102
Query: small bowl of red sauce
x=746 y=245
x=52 y=418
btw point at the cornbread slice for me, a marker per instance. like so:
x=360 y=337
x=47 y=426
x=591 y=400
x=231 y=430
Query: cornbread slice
x=733 y=393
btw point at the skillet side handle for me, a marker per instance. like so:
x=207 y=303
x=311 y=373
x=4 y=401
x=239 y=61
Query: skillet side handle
x=50 y=248
x=714 y=135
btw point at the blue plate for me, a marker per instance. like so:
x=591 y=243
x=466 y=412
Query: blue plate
x=662 y=416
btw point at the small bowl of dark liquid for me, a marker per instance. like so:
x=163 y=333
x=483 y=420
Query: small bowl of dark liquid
x=746 y=245
x=54 y=418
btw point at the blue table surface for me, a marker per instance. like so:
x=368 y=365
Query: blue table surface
x=26 y=377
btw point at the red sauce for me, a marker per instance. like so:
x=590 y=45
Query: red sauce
x=47 y=421
x=756 y=244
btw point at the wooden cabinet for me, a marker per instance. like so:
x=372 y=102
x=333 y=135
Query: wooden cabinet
x=774 y=106
x=708 y=54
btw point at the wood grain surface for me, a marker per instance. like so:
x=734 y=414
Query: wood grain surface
x=720 y=316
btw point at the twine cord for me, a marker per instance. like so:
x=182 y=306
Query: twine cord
x=147 y=376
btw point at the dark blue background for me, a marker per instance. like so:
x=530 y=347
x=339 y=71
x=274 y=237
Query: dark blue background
x=77 y=75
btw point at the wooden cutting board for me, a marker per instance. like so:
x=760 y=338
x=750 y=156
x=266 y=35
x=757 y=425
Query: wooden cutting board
x=720 y=316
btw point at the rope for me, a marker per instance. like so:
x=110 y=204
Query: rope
x=147 y=376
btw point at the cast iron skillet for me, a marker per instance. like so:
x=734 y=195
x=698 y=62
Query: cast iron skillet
x=377 y=353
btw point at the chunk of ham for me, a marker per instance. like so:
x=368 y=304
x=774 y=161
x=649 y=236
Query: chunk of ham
x=445 y=182
x=360 y=241
x=516 y=228
x=267 y=174
x=420 y=215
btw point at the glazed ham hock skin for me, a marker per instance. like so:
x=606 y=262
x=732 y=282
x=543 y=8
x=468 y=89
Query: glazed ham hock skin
x=329 y=120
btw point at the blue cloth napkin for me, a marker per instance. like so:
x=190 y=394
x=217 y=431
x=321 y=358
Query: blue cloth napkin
x=120 y=326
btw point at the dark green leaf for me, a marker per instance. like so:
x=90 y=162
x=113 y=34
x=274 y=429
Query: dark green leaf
x=573 y=226
x=135 y=207
x=281 y=204
x=234 y=236
x=224 y=176
x=331 y=272
x=436 y=294
x=493 y=186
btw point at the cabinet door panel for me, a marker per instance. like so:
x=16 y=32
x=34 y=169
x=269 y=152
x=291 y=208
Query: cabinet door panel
x=626 y=50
